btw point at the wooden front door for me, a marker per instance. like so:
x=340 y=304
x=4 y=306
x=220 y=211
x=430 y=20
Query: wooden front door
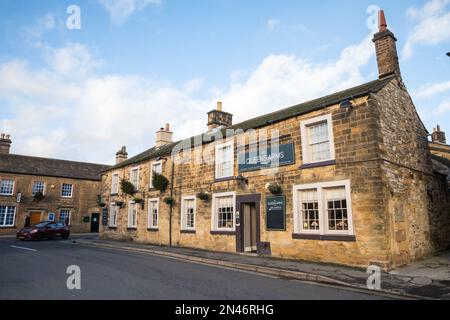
x=35 y=217
x=248 y=225
x=248 y=236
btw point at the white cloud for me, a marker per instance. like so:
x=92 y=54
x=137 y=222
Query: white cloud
x=272 y=24
x=433 y=26
x=433 y=89
x=443 y=108
x=120 y=10
x=88 y=118
x=72 y=60
x=33 y=34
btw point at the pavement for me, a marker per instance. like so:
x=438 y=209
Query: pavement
x=428 y=279
x=38 y=270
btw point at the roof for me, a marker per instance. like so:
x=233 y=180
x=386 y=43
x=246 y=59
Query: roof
x=274 y=117
x=13 y=163
x=444 y=161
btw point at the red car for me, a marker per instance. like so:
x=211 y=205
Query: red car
x=44 y=230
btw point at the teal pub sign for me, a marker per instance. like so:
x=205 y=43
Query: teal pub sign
x=270 y=157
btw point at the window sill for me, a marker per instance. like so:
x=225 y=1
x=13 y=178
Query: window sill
x=152 y=229
x=112 y=228
x=6 y=195
x=8 y=227
x=131 y=229
x=222 y=233
x=224 y=179
x=114 y=194
x=347 y=238
x=318 y=164
x=187 y=231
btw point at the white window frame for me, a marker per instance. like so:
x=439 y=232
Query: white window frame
x=214 y=226
x=151 y=171
x=149 y=214
x=113 y=210
x=136 y=187
x=323 y=222
x=13 y=187
x=306 y=151
x=129 y=214
x=69 y=214
x=216 y=155
x=4 y=225
x=183 y=213
x=71 y=190
x=43 y=189
x=115 y=187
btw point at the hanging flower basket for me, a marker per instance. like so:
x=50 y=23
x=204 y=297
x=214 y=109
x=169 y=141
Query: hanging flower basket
x=119 y=204
x=38 y=196
x=169 y=201
x=204 y=196
x=159 y=182
x=138 y=200
x=274 y=188
x=127 y=187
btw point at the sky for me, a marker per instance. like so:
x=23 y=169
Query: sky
x=80 y=92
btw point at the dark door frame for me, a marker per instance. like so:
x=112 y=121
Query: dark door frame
x=252 y=199
x=98 y=221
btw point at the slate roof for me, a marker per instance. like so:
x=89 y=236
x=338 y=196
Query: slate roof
x=274 y=117
x=442 y=160
x=13 y=163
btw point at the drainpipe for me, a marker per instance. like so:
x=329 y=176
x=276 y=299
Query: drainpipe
x=171 y=205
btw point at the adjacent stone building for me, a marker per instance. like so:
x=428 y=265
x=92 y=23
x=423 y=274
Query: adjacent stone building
x=440 y=153
x=346 y=178
x=47 y=189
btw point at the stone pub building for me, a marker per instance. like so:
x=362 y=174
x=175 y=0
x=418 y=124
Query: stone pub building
x=354 y=181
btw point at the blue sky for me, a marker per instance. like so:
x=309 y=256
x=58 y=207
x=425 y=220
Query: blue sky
x=136 y=64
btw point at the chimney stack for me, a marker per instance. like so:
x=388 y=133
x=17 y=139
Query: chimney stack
x=5 y=143
x=121 y=155
x=438 y=136
x=164 y=136
x=386 y=49
x=217 y=118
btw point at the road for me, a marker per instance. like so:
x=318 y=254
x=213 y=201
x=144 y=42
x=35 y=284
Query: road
x=37 y=270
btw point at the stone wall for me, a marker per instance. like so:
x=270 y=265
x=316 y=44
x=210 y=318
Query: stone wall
x=380 y=146
x=356 y=138
x=82 y=204
x=420 y=222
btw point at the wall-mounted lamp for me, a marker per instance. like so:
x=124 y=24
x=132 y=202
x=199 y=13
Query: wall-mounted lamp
x=346 y=104
x=241 y=179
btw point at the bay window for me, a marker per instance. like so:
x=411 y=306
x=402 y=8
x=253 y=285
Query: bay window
x=323 y=209
x=223 y=211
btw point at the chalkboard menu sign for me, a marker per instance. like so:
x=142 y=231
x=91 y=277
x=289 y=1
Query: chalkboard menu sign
x=276 y=213
x=105 y=216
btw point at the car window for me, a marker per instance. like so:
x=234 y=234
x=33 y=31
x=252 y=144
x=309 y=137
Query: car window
x=42 y=224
